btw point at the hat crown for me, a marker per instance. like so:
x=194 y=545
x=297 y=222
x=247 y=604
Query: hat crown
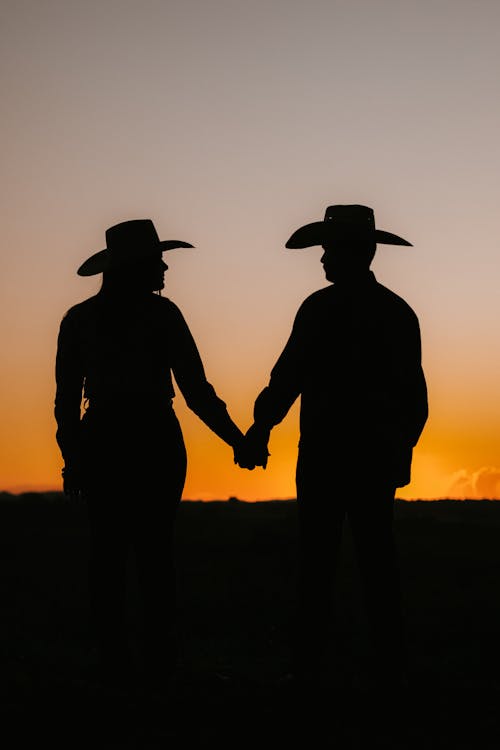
x=131 y=233
x=351 y=215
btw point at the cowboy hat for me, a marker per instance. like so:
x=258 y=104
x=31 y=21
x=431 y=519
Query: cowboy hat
x=343 y=221
x=127 y=243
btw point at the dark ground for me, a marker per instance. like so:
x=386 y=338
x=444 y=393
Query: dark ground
x=236 y=566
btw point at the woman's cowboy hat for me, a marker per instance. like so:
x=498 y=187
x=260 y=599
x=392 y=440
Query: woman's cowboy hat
x=127 y=243
x=353 y=222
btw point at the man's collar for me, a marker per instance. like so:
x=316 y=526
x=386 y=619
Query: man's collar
x=356 y=284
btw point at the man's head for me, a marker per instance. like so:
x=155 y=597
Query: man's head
x=344 y=258
x=348 y=237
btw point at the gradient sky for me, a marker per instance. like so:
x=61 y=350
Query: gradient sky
x=231 y=124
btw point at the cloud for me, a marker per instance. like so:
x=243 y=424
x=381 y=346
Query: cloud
x=487 y=482
x=475 y=485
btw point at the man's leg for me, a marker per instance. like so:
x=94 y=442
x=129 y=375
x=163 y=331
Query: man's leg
x=320 y=530
x=370 y=513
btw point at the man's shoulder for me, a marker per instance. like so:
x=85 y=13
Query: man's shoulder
x=376 y=296
x=318 y=298
x=392 y=301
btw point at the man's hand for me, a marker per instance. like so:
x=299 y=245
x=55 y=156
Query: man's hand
x=253 y=450
x=72 y=480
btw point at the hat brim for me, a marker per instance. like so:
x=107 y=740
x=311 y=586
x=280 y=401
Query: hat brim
x=316 y=234
x=102 y=261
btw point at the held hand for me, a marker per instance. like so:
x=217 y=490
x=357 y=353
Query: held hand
x=253 y=450
x=241 y=456
x=248 y=457
x=243 y=459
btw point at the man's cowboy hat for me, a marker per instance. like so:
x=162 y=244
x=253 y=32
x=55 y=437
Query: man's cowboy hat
x=127 y=243
x=353 y=222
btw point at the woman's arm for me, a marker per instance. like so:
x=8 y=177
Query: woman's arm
x=199 y=394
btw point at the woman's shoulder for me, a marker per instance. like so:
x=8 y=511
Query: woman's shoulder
x=82 y=309
x=165 y=307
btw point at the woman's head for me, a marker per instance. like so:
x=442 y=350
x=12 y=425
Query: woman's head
x=144 y=275
x=132 y=256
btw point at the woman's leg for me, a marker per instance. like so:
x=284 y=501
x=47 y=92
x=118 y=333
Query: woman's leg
x=153 y=534
x=107 y=581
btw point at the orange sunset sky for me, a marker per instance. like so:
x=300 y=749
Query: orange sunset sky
x=231 y=124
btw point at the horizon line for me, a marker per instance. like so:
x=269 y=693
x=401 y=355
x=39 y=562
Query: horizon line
x=236 y=499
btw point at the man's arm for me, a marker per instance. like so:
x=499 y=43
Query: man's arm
x=275 y=400
x=419 y=405
x=414 y=408
x=68 y=397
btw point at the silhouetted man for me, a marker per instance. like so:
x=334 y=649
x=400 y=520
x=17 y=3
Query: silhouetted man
x=354 y=358
x=118 y=351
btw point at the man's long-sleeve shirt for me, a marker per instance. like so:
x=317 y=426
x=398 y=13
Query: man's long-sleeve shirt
x=354 y=358
x=122 y=355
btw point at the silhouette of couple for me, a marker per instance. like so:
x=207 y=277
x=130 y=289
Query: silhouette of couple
x=353 y=358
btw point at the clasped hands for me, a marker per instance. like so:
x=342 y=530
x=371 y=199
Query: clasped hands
x=252 y=450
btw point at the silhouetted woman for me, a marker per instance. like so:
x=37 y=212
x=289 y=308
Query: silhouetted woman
x=117 y=351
